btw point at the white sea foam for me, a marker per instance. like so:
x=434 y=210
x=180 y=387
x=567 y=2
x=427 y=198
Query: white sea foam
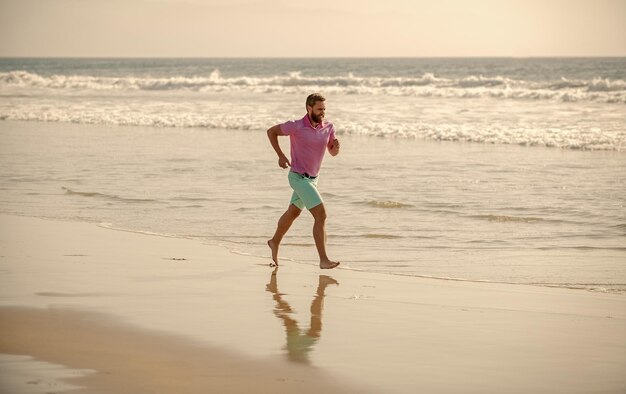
x=560 y=136
x=572 y=113
x=427 y=85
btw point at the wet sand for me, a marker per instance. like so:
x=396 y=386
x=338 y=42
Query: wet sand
x=128 y=360
x=157 y=314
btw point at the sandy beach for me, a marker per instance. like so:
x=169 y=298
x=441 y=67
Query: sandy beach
x=134 y=313
x=464 y=161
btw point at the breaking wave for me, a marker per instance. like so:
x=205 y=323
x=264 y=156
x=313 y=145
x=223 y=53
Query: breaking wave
x=426 y=85
x=564 y=136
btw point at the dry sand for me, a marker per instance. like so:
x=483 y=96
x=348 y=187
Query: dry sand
x=154 y=314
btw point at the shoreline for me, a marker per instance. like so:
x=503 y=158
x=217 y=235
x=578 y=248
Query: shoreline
x=221 y=244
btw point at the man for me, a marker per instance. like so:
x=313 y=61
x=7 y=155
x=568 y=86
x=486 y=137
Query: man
x=310 y=137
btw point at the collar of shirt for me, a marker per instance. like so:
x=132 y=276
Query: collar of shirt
x=307 y=122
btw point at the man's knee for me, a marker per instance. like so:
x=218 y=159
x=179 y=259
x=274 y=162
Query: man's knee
x=293 y=211
x=319 y=212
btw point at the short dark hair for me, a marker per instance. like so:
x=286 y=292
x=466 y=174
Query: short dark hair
x=314 y=98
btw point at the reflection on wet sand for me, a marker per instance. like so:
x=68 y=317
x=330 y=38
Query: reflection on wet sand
x=300 y=342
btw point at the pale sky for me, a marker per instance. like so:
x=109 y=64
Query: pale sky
x=317 y=28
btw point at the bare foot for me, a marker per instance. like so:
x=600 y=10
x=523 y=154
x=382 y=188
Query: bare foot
x=327 y=264
x=325 y=280
x=274 y=249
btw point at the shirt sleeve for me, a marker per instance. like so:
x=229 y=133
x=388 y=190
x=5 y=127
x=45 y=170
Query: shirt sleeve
x=288 y=128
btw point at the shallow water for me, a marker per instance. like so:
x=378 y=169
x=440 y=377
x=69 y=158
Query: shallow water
x=448 y=210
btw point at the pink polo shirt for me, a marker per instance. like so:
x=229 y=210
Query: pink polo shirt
x=308 y=144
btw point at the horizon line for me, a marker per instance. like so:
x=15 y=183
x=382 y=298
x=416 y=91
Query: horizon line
x=319 y=57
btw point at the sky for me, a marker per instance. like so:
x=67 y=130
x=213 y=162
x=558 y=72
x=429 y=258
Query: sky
x=317 y=28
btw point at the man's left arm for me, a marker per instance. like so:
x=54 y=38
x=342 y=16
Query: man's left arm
x=333 y=147
x=333 y=143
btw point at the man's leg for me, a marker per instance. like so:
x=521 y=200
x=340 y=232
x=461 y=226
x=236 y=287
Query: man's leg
x=319 y=234
x=284 y=223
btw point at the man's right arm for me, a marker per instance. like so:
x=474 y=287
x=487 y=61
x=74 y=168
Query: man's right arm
x=273 y=133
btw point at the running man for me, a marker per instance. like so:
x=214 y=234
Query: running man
x=310 y=137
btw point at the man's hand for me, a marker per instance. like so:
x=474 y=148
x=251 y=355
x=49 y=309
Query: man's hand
x=334 y=148
x=283 y=162
x=273 y=133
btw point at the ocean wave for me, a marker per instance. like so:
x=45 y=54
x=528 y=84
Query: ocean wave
x=606 y=85
x=190 y=199
x=426 y=85
x=615 y=288
x=186 y=206
x=564 y=83
x=578 y=138
x=480 y=81
x=386 y=204
x=612 y=288
x=381 y=236
x=508 y=219
x=620 y=227
x=574 y=139
x=69 y=191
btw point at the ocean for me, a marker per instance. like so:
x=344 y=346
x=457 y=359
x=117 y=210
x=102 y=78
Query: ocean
x=475 y=169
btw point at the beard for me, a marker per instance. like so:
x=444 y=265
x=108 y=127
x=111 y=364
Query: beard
x=316 y=118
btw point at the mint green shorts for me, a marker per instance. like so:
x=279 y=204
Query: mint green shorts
x=305 y=193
